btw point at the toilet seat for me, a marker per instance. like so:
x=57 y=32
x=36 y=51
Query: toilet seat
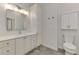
x=69 y=47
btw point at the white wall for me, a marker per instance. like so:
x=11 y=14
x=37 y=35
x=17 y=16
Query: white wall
x=59 y=37
x=69 y=7
x=33 y=18
x=35 y=21
x=3 y=21
x=2 y=18
x=39 y=24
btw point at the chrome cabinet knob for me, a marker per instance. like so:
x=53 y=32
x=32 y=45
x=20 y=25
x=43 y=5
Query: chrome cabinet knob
x=7 y=43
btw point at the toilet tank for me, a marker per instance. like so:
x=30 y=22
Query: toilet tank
x=69 y=38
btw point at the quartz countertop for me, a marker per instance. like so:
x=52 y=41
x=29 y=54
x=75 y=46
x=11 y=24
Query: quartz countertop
x=15 y=36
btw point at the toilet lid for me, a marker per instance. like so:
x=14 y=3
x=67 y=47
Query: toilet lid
x=70 y=46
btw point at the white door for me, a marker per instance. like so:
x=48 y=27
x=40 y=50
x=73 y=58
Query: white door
x=50 y=25
x=20 y=46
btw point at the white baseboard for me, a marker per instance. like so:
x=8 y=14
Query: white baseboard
x=53 y=48
x=60 y=47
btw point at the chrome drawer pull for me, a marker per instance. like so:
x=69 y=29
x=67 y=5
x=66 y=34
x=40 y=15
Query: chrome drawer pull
x=7 y=43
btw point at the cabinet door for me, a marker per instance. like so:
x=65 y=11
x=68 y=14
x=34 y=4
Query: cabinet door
x=73 y=20
x=50 y=12
x=34 y=41
x=28 y=44
x=69 y=21
x=20 y=46
x=0 y=51
x=65 y=22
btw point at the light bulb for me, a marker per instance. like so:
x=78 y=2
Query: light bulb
x=15 y=9
x=23 y=11
x=7 y=6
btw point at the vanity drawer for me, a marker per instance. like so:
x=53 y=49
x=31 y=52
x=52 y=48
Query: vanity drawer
x=7 y=43
x=1 y=44
x=8 y=51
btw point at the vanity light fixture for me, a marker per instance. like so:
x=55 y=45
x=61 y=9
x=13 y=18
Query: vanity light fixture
x=7 y=6
x=14 y=8
x=23 y=11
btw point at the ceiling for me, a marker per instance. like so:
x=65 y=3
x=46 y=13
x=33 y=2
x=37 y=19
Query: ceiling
x=24 y=5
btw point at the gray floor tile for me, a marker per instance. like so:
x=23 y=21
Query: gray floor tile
x=45 y=51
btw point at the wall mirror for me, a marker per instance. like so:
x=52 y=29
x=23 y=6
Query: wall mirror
x=15 y=20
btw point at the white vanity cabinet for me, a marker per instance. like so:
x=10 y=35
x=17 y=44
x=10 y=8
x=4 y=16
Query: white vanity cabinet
x=34 y=41
x=7 y=47
x=30 y=42
x=20 y=46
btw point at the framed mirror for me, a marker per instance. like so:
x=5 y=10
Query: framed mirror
x=15 y=21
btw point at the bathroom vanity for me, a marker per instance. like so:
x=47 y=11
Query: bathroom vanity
x=19 y=33
x=18 y=44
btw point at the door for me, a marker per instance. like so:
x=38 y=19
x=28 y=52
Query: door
x=50 y=25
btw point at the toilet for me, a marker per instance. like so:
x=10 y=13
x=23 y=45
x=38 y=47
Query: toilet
x=69 y=47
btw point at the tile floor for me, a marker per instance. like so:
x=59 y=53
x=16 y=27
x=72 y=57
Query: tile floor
x=45 y=51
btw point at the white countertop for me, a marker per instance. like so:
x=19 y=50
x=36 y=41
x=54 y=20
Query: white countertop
x=14 y=36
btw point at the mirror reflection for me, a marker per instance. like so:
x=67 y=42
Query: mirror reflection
x=15 y=18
